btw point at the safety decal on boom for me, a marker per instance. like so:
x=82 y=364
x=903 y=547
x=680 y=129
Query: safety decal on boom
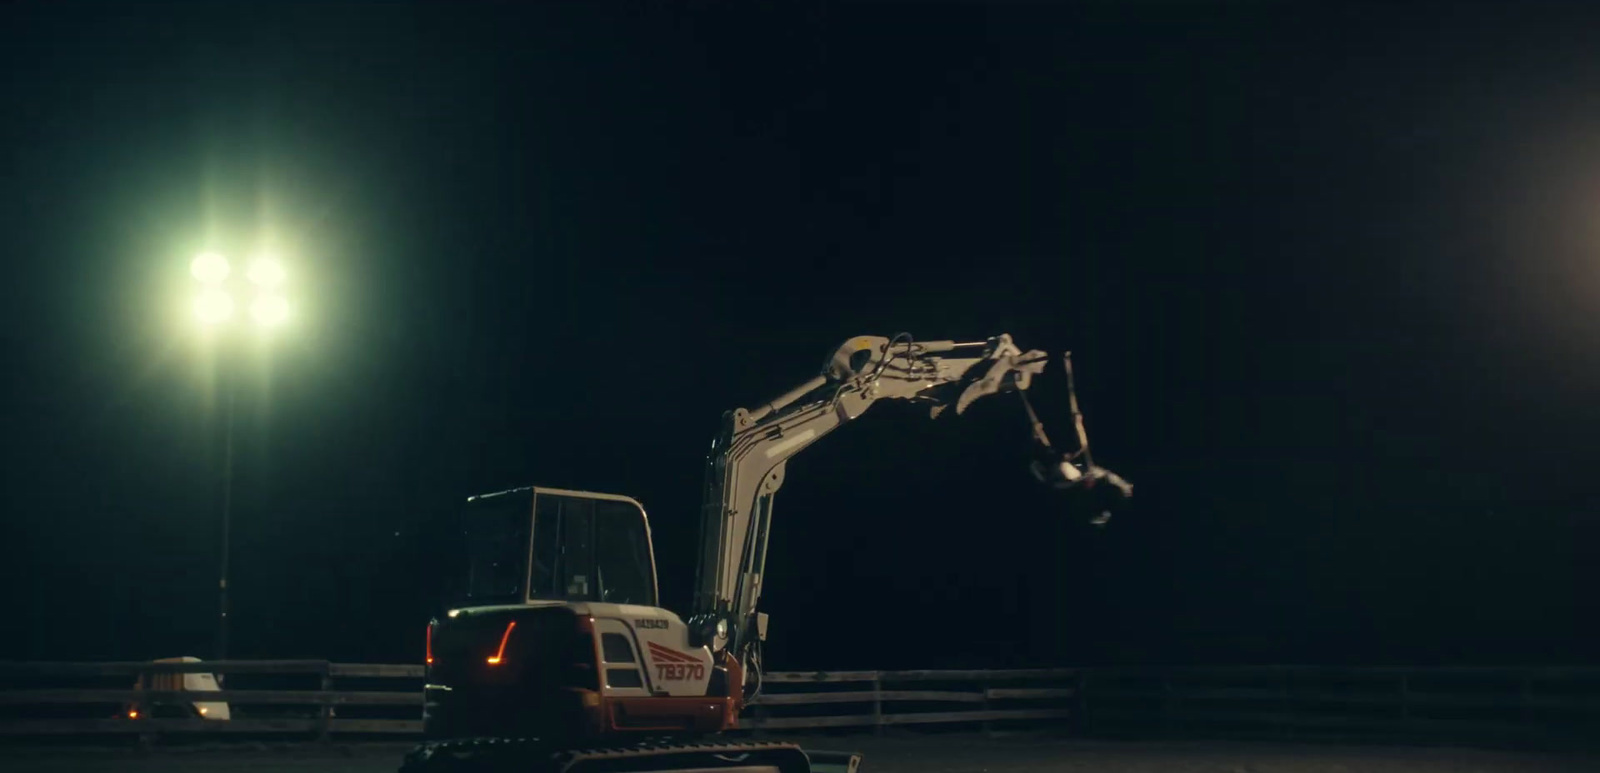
x=672 y=665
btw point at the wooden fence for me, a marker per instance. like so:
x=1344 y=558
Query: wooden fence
x=1547 y=707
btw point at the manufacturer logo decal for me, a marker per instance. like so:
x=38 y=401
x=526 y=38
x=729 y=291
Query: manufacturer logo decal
x=658 y=623
x=674 y=666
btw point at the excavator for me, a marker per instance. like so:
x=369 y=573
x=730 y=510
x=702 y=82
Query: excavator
x=561 y=660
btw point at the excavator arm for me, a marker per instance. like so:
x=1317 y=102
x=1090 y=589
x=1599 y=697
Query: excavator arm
x=746 y=464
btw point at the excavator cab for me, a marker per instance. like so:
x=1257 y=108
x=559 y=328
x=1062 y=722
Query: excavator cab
x=535 y=669
x=516 y=653
x=531 y=545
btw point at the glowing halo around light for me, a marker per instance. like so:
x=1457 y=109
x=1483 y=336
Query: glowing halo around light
x=209 y=267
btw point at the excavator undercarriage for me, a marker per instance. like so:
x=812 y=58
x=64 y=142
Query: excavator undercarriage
x=663 y=755
x=560 y=659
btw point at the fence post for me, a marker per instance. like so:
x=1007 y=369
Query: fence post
x=877 y=703
x=1286 y=709
x=1525 y=701
x=758 y=712
x=325 y=726
x=143 y=682
x=1169 y=705
x=988 y=725
x=1085 y=722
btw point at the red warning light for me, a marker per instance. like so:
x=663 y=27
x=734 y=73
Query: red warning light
x=494 y=660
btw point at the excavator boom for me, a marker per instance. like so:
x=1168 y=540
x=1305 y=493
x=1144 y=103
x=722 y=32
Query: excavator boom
x=748 y=458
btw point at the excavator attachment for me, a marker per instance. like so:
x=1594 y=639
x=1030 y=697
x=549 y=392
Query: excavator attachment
x=1096 y=491
x=1091 y=487
x=1012 y=369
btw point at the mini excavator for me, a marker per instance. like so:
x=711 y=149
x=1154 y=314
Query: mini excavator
x=560 y=659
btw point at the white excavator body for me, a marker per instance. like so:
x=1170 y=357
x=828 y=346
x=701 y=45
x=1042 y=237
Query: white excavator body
x=560 y=653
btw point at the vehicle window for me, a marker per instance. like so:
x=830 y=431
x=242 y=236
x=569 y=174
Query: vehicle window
x=588 y=549
x=546 y=548
x=623 y=552
x=577 y=548
x=563 y=549
x=496 y=533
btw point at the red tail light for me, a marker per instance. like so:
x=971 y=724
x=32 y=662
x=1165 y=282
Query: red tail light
x=494 y=660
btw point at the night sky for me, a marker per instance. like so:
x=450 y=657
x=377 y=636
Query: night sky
x=1331 y=277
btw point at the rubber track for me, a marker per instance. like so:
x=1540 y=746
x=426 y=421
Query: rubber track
x=531 y=755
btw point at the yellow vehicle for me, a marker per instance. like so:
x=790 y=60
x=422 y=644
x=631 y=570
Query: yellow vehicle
x=194 y=709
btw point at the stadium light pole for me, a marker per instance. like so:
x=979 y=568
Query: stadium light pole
x=214 y=310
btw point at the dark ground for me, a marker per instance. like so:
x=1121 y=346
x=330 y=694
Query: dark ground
x=937 y=754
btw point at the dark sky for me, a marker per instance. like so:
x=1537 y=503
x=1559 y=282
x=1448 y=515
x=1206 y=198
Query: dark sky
x=1331 y=275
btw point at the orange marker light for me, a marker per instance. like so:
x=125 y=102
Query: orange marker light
x=133 y=715
x=430 y=644
x=494 y=660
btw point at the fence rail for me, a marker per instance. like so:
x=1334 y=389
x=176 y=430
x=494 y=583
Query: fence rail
x=320 y=699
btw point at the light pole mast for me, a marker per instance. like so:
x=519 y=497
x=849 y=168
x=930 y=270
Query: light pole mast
x=227 y=508
x=214 y=306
